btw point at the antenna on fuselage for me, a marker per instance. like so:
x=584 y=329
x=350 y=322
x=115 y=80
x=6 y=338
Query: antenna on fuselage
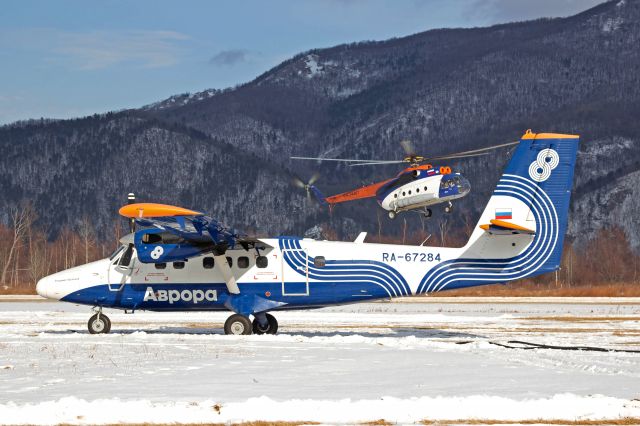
x=131 y=198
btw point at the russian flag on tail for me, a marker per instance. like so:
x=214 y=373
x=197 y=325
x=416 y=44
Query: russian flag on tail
x=504 y=214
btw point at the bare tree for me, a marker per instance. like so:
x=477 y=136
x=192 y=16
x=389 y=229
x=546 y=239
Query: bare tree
x=21 y=219
x=85 y=230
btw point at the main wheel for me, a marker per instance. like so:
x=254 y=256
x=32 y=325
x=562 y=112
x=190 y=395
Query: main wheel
x=237 y=324
x=392 y=214
x=99 y=324
x=448 y=209
x=271 y=328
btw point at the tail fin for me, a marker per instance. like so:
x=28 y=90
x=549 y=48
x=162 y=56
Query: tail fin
x=316 y=193
x=521 y=231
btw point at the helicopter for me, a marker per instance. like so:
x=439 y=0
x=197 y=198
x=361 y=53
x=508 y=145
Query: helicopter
x=416 y=188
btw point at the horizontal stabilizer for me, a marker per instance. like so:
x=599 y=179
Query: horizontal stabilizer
x=503 y=227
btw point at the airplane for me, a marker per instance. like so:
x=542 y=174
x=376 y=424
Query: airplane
x=415 y=188
x=183 y=260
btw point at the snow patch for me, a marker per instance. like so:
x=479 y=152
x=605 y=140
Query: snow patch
x=72 y=410
x=612 y=24
x=311 y=62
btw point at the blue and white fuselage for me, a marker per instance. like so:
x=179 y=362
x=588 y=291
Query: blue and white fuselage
x=519 y=234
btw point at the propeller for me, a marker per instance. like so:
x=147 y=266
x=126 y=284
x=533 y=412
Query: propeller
x=411 y=156
x=306 y=186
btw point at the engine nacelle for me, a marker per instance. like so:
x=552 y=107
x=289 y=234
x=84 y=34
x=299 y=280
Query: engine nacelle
x=159 y=246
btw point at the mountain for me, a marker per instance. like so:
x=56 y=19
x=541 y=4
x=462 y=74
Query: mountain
x=227 y=151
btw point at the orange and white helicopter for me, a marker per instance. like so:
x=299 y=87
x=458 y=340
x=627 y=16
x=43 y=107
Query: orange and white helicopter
x=415 y=188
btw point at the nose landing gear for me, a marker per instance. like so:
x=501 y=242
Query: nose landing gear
x=99 y=323
x=448 y=208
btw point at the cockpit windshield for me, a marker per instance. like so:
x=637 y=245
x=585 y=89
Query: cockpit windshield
x=116 y=252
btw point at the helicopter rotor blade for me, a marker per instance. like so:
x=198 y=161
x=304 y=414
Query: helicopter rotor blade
x=296 y=181
x=347 y=160
x=314 y=178
x=475 y=151
x=373 y=163
x=454 y=157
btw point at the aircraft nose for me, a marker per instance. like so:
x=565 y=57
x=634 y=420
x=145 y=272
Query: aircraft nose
x=43 y=288
x=465 y=186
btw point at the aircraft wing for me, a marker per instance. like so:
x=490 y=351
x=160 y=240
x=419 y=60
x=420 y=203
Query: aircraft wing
x=173 y=234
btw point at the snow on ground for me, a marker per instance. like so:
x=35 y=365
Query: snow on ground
x=403 y=362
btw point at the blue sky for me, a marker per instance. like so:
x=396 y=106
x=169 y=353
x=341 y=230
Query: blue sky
x=71 y=58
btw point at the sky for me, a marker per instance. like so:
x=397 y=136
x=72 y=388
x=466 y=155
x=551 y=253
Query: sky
x=72 y=58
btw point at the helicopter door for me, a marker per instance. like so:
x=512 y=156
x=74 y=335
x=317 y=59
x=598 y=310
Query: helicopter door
x=120 y=269
x=295 y=273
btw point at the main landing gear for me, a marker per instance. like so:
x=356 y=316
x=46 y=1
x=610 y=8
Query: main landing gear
x=237 y=324
x=448 y=208
x=99 y=323
x=241 y=325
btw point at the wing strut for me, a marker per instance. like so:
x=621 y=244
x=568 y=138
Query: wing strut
x=227 y=274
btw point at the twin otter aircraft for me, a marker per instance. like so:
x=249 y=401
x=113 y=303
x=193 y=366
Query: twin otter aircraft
x=186 y=261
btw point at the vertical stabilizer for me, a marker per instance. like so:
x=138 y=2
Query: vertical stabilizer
x=521 y=231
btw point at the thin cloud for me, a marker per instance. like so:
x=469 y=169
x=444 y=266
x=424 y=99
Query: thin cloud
x=93 y=50
x=102 y=49
x=230 y=57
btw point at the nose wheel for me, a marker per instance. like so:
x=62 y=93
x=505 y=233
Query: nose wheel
x=99 y=324
x=448 y=208
x=392 y=214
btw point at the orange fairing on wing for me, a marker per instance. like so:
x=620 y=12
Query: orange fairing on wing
x=155 y=210
x=356 y=194
x=530 y=135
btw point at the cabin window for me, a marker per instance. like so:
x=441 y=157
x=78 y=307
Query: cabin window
x=230 y=261
x=178 y=265
x=160 y=265
x=417 y=190
x=319 y=262
x=425 y=188
x=208 y=262
x=409 y=192
x=395 y=195
x=403 y=193
x=262 y=261
x=243 y=262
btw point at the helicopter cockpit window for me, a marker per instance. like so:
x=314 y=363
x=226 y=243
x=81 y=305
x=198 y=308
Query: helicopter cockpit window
x=319 y=262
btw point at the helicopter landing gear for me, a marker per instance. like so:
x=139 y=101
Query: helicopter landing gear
x=392 y=214
x=448 y=208
x=427 y=213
